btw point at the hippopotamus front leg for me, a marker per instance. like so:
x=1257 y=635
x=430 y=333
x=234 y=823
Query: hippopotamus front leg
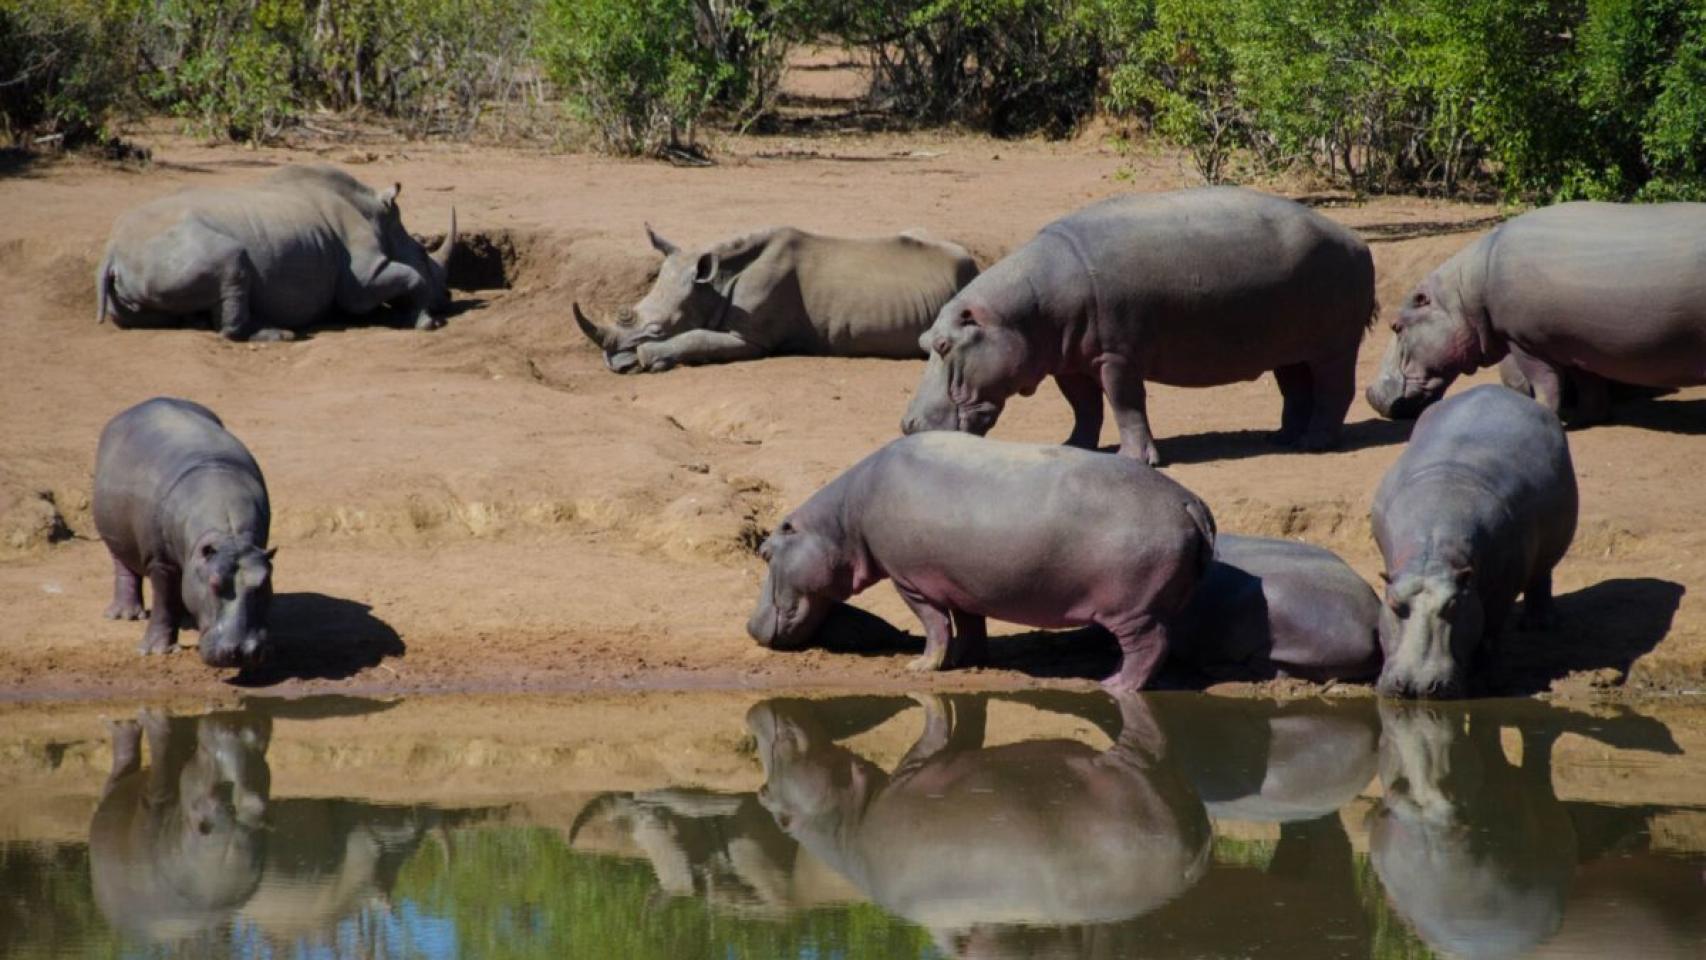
x=127 y=594
x=1538 y=610
x=951 y=723
x=1127 y=397
x=938 y=633
x=1084 y=394
x=127 y=752
x=1333 y=387
x=1297 y=392
x=162 y=633
x=1545 y=380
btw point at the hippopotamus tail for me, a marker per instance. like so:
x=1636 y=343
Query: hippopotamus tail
x=103 y=288
x=1205 y=525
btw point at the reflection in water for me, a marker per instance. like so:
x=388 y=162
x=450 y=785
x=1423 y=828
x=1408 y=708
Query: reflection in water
x=1199 y=827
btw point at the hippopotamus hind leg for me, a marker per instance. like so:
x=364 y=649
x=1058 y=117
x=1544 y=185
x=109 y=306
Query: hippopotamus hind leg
x=1297 y=390
x=162 y=633
x=969 y=646
x=1143 y=647
x=1084 y=394
x=127 y=594
x=1333 y=387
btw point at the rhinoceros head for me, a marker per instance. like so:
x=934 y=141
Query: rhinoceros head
x=402 y=246
x=685 y=296
x=227 y=586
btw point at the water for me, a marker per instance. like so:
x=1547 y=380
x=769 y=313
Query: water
x=1038 y=824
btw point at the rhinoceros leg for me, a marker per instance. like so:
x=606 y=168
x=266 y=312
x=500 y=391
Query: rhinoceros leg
x=162 y=633
x=393 y=281
x=1084 y=395
x=1126 y=396
x=694 y=347
x=1333 y=384
x=127 y=594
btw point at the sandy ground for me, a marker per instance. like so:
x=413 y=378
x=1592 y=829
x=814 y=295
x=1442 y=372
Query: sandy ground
x=485 y=507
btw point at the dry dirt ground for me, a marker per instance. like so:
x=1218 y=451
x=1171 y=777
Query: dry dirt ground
x=485 y=507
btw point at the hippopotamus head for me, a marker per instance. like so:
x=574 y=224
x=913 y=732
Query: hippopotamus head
x=402 y=246
x=976 y=361
x=1438 y=336
x=227 y=586
x=683 y=297
x=1429 y=629
x=811 y=783
x=807 y=578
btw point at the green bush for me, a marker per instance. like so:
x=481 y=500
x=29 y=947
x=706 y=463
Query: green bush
x=64 y=65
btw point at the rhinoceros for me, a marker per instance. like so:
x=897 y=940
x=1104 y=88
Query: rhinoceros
x=271 y=259
x=784 y=291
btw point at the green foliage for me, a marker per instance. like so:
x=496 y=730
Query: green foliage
x=64 y=64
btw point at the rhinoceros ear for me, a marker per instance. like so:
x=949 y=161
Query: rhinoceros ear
x=388 y=199
x=706 y=269
x=658 y=243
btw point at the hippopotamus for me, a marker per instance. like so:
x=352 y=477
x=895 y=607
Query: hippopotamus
x=180 y=501
x=1272 y=608
x=271 y=259
x=1617 y=291
x=1475 y=853
x=970 y=528
x=962 y=838
x=1192 y=288
x=1583 y=398
x=1480 y=507
x=784 y=291
x=176 y=848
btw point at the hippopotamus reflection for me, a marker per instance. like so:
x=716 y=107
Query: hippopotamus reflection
x=193 y=842
x=963 y=839
x=1474 y=852
x=175 y=849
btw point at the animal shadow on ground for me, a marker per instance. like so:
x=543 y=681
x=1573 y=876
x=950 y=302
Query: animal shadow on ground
x=1606 y=626
x=1088 y=653
x=1686 y=417
x=1241 y=444
x=316 y=637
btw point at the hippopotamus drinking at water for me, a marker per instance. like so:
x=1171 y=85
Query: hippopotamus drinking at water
x=180 y=501
x=1613 y=291
x=1193 y=288
x=970 y=528
x=1272 y=608
x=784 y=291
x=1479 y=508
x=271 y=259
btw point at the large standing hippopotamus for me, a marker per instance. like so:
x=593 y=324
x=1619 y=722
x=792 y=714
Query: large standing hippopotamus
x=179 y=500
x=784 y=291
x=271 y=259
x=1612 y=290
x=1280 y=608
x=1479 y=508
x=970 y=528
x=962 y=838
x=1193 y=288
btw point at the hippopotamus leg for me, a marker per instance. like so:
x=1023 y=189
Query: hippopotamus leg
x=1084 y=394
x=971 y=640
x=1545 y=381
x=1538 y=610
x=127 y=594
x=1126 y=395
x=1143 y=647
x=1593 y=398
x=946 y=647
x=1333 y=383
x=162 y=633
x=1297 y=390
x=127 y=752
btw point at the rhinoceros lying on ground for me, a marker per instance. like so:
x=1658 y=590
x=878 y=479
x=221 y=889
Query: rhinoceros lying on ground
x=271 y=259
x=784 y=291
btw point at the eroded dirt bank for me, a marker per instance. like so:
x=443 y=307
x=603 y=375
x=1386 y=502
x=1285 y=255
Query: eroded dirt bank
x=486 y=507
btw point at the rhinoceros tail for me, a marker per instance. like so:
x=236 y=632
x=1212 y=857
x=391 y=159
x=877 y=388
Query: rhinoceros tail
x=103 y=288
x=1200 y=515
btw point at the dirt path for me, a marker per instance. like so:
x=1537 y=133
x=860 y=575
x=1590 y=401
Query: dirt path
x=485 y=507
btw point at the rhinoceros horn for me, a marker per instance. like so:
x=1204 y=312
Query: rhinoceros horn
x=441 y=256
x=594 y=332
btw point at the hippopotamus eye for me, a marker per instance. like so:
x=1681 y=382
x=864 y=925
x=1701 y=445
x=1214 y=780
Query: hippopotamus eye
x=786 y=527
x=208 y=550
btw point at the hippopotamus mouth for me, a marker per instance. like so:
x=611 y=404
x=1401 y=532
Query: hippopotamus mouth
x=1414 y=395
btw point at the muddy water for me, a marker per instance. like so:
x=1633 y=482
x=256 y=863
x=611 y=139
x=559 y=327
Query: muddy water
x=1053 y=824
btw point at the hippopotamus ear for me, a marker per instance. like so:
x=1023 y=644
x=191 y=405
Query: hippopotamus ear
x=272 y=553
x=706 y=269
x=1463 y=576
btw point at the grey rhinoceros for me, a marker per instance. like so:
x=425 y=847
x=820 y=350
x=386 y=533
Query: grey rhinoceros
x=784 y=291
x=271 y=259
